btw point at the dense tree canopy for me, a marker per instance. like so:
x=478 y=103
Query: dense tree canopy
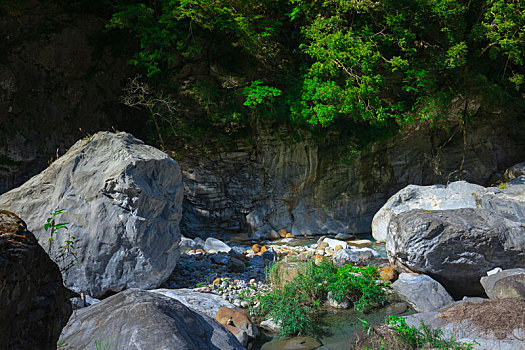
x=364 y=64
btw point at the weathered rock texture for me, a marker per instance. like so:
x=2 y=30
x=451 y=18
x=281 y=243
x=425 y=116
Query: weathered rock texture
x=508 y=200
x=201 y=303
x=505 y=284
x=455 y=247
x=422 y=292
x=136 y=319
x=123 y=205
x=33 y=307
x=456 y=195
x=301 y=187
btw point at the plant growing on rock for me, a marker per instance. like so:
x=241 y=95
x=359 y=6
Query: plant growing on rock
x=294 y=301
x=397 y=334
x=67 y=249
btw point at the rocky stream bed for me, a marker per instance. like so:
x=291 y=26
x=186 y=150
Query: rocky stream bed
x=452 y=255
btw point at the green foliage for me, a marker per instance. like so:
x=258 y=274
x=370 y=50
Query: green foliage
x=422 y=337
x=293 y=305
x=67 y=250
x=359 y=285
x=257 y=94
x=360 y=68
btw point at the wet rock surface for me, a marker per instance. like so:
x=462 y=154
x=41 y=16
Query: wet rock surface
x=33 y=305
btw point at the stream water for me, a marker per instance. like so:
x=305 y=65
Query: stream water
x=339 y=328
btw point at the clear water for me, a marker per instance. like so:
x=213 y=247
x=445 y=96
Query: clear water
x=340 y=327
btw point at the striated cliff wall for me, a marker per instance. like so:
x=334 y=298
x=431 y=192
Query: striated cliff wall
x=304 y=188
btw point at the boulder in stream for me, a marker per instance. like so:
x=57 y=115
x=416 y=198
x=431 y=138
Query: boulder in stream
x=123 y=206
x=455 y=247
x=137 y=319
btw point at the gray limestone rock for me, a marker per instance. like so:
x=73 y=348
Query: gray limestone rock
x=352 y=255
x=215 y=245
x=201 y=303
x=455 y=247
x=187 y=244
x=422 y=292
x=270 y=325
x=137 y=319
x=456 y=195
x=505 y=284
x=332 y=243
x=508 y=202
x=123 y=205
x=33 y=307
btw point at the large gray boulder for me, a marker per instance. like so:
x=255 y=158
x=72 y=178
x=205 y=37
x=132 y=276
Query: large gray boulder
x=137 y=319
x=508 y=201
x=33 y=307
x=456 y=195
x=201 y=303
x=455 y=247
x=123 y=205
x=422 y=292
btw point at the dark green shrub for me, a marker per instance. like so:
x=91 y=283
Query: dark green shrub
x=293 y=305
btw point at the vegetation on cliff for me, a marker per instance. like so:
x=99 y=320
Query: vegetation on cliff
x=359 y=69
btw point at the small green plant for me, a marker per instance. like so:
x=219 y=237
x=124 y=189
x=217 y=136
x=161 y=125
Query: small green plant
x=397 y=334
x=103 y=344
x=67 y=249
x=204 y=283
x=502 y=185
x=293 y=302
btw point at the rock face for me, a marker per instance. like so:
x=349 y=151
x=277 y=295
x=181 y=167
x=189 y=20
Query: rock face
x=296 y=185
x=456 y=195
x=455 y=247
x=33 y=307
x=136 y=319
x=201 y=303
x=505 y=284
x=422 y=292
x=123 y=205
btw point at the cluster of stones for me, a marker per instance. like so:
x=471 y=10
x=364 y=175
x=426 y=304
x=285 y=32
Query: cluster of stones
x=238 y=292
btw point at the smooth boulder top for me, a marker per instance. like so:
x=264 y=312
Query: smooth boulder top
x=456 y=195
x=455 y=247
x=508 y=200
x=137 y=319
x=123 y=202
x=422 y=292
x=201 y=303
